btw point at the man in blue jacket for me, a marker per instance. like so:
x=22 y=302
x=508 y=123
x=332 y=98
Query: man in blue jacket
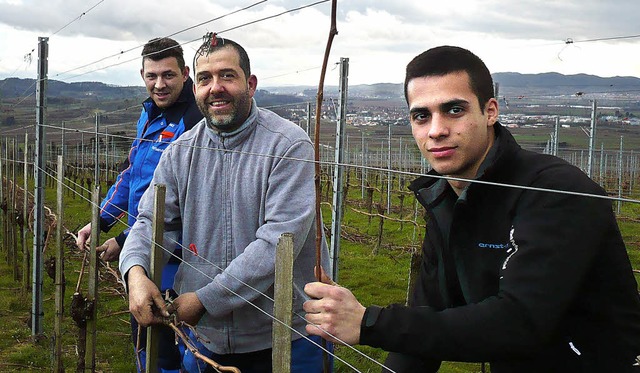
x=523 y=263
x=169 y=111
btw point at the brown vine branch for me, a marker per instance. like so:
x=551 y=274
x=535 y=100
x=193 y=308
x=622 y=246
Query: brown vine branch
x=386 y=217
x=125 y=312
x=332 y=33
x=104 y=264
x=197 y=354
x=82 y=266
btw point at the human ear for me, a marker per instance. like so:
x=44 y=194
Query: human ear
x=492 y=110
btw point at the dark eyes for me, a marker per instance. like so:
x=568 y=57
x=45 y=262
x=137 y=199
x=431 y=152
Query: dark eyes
x=424 y=116
x=167 y=76
x=420 y=117
x=455 y=110
x=202 y=79
x=207 y=78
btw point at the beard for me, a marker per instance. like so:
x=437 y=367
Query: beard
x=241 y=106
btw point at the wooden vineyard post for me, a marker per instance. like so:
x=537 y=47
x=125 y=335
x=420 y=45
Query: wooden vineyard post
x=92 y=297
x=283 y=305
x=151 y=362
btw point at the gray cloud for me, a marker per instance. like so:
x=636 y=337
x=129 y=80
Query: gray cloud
x=373 y=33
x=550 y=20
x=529 y=19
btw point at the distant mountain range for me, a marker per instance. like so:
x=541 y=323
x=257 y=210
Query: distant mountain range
x=510 y=84
x=16 y=87
x=555 y=83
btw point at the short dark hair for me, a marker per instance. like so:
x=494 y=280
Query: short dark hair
x=212 y=43
x=160 y=48
x=447 y=59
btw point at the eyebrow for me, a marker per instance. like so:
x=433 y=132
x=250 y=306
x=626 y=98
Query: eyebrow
x=228 y=70
x=443 y=107
x=221 y=71
x=160 y=73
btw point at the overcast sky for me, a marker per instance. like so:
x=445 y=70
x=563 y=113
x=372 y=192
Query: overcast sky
x=378 y=37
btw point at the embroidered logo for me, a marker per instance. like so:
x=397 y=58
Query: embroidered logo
x=165 y=135
x=493 y=245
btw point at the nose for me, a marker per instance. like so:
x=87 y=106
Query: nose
x=160 y=83
x=216 y=86
x=438 y=127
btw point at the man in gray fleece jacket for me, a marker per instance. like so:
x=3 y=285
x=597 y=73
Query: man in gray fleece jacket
x=234 y=183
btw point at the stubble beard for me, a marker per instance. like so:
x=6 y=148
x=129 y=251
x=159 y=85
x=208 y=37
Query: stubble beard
x=225 y=122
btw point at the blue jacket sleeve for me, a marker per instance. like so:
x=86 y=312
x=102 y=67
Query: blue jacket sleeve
x=116 y=203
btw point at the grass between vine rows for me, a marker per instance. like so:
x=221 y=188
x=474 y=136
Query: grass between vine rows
x=375 y=279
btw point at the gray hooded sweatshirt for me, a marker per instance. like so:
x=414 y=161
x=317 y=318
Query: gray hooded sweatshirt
x=232 y=195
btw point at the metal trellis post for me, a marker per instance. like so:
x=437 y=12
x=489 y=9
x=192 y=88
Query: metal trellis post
x=25 y=217
x=620 y=176
x=338 y=172
x=96 y=155
x=37 y=313
x=59 y=277
x=592 y=137
x=555 y=136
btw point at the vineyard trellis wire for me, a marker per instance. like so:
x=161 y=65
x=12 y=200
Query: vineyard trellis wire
x=374 y=165
x=170 y=252
x=378 y=172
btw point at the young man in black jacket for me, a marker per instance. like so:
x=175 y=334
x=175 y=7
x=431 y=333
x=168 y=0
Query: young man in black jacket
x=520 y=268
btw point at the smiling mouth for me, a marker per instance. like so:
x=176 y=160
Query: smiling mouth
x=218 y=103
x=443 y=151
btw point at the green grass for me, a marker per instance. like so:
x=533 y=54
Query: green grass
x=575 y=138
x=375 y=279
x=382 y=279
x=20 y=352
